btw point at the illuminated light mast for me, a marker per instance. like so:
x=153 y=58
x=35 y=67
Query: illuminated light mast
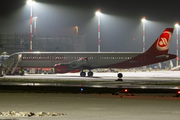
x=31 y=3
x=35 y=17
x=143 y=20
x=177 y=26
x=98 y=13
x=76 y=27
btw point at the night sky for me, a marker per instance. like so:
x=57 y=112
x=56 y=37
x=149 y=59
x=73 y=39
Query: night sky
x=120 y=20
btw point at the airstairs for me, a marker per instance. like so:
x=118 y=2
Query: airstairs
x=12 y=72
x=14 y=65
x=9 y=67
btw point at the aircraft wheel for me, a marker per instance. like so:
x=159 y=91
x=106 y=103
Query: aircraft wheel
x=82 y=74
x=120 y=75
x=90 y=74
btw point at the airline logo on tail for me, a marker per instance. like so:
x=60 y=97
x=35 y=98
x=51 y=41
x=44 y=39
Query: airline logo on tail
x=164 y=40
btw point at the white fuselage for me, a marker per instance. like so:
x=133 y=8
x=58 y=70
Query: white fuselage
x=49 y=59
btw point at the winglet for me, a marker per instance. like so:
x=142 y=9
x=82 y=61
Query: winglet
x=161 y=45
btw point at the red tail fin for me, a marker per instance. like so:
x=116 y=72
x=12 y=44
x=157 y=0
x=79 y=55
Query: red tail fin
x=161 y=45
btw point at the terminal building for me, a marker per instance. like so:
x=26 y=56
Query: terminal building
x=12 y=43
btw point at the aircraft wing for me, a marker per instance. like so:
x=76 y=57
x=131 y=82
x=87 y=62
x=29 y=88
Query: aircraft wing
x=70 y=66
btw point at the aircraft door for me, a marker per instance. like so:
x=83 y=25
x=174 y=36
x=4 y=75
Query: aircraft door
x=19 y=58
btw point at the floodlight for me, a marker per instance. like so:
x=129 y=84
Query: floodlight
x=144 y=19
x=177 y=24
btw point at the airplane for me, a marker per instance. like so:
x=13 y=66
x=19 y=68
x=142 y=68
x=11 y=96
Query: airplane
x=64 y=62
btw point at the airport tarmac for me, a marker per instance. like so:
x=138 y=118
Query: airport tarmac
x=92 y=106
x=81 y=106
x=127 y=76
x=155 y=82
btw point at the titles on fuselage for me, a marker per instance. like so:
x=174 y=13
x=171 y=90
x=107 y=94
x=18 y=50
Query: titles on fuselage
x=42 y=57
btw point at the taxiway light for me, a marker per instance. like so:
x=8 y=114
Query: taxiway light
x=126 y=90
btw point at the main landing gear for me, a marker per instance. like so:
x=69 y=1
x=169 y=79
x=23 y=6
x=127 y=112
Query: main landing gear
x=120 y=75
x=90 y=74
x=83 y=74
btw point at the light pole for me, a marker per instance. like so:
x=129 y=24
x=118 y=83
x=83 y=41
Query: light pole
x=143 y=20
x=177 y=26
x=98 y=13
x=35 y=17
x=30 y=2
x=76 y=29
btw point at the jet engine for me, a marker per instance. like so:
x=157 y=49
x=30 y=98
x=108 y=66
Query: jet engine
x=61 y=68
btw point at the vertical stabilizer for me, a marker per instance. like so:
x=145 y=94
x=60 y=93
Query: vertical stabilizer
x=161 y=45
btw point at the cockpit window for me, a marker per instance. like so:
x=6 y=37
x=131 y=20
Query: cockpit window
x=3 y=57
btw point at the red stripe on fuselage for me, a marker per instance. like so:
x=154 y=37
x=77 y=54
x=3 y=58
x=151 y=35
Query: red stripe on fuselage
x=140 y=60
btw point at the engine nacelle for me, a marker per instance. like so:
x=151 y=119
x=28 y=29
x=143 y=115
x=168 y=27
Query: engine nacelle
x=60 y=68
x=74 y=71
